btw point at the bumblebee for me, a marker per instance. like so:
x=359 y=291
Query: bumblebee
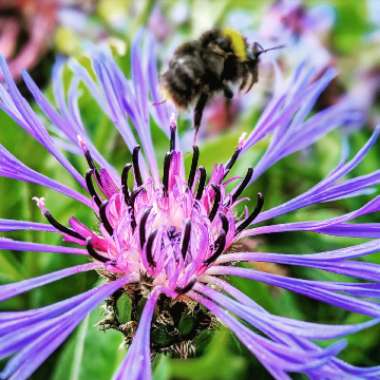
x=211 y=64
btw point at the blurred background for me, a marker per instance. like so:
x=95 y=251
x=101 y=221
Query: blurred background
x=344 y=34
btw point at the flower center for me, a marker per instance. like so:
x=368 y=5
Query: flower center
x=167 y=231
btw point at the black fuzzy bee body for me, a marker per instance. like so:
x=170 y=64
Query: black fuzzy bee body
x=203 y=67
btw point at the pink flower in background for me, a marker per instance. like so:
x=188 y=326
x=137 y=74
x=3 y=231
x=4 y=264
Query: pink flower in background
x=32 y=20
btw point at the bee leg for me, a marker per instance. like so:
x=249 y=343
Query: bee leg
x=249 y=81
x=244 y=81
x=228 y=107
x=253 y=79
x=228 y=94
x=198 y=111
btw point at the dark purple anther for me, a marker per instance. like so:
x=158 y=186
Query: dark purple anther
x=91 y=188
x=215 y=206
x=202 y=182
x=232 y=161
x=243 y=185
x=172 y=138
x=91 y=251
x=253 y=215
x=194 y=165
x=186 y=239
x=124 y=182
x=66 y=230
x=149 y=248
x=136 y=166
x=103 y=217
x=142 y=227
x=165 y=179
x=219 y=246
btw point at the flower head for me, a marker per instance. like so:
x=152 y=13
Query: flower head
x=165 y=237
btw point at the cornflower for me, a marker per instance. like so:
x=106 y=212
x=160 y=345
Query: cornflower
x=168 y=240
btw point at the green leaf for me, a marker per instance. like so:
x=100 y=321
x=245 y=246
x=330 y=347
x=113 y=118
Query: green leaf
x=210 y=366
x=9 y=268
x=162 y=371
x=78 y=350
x=351 y=24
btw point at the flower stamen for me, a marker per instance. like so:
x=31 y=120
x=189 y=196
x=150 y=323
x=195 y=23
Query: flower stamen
x=142 y=227
x=91 y=163
x=219 y=246
x=172 y=137
x=133 y=197
x=217 y=198
x=242 y=186
x=136 y=166
x=225 y=223
x=193 y=168
x=104 y=218
x=91 y=251
x=91 y=187
x=232 y=161
x=124 y=182
x=186 y=239
x=165 y=179
x=149 y=249
x=66 y=230
x=253 y=215
x=202 y=182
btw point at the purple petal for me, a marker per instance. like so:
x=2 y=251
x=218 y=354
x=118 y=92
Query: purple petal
x=68 y=123
x=11 y=290
x=31 y=357
x=136 y=365
x=11 y=167
x=16 y=225
x=260 y=319
x=15 y=103
x=370 y=207
x=278 y=355
x=161 y=111
x=113 y=91
x=138 y=77
x=19 y=319
x=315 y=194
x=362 y=230
x=335 y=368
x=340 y=254
x=32 y=352
x=364 y=270
x=135 y=104
x=16 y=245
x=313 y=289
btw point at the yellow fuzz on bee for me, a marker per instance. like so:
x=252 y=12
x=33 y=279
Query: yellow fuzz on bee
x=238 y=43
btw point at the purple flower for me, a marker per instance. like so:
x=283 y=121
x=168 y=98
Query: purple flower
x=166 y=238
x=303 y=30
